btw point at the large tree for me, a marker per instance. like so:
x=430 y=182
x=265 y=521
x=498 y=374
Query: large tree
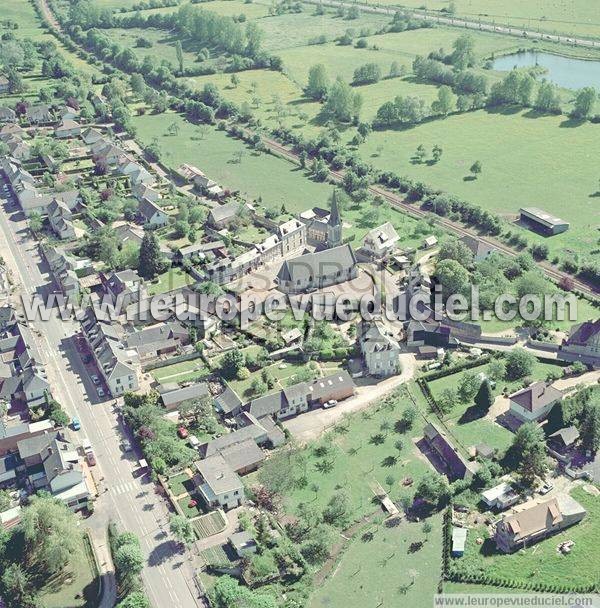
x=182 y=529
x=318 y=82
x=453 y=276
x=150 y=263
x=519 y=363
x=590 y=427
x=529 y=450
x=51 y=533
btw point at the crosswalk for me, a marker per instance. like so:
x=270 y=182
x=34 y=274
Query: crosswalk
x=124 y=487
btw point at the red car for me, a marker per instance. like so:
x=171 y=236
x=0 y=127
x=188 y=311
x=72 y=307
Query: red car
x=182 y=432
x=91 y=459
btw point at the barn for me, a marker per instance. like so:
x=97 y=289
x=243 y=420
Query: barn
x=543 y=222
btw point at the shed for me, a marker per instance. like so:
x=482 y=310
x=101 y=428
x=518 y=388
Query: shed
x=459 y=538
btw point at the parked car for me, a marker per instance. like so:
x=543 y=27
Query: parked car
x=126 y=445
x=331 y=403
x=182 y=432
x=546 y=487
x=91 y=459
x=194 y=441
x=101 y=392
x=87 y=358
x=75 y=424
x=86 y=445
x=95 y=379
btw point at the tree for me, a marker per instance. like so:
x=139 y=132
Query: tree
x=420 y=153
x=496 y=369
x=463 y=55
x=548 y=99
x=15 y=581
x=432 y=489
x=437 y=153
x=453 y=276
x=446 y=101
x=455 y=249
x=318 y=82
x=137 y=84
x=173 y=128
x=182 y=529
x=485 y=395
x=235 y=80
x=129 y=560
x=468 y=386
x=590 y=428
x=342 y=103
x=232 y=363
x=396 y=70
x=35 y=222
x=427 y=528
x=135 y=600
x=179 y=54
x=529 y=450
x=51 y=534
x=337 y=511
x=519 y=364
x=584 y=103
x=367 y=74
x=447 y=400
x=475 y=169
x=150 y=263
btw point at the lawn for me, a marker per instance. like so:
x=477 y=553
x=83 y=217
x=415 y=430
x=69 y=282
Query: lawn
x=77 y=587
x=525 y=168
x=264 y=176
x=541 y=562
x=174 y=278
x=181 y=483
x=180 y=372
x=383 y=571
x=191 y=511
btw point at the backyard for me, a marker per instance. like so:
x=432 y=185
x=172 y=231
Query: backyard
x=541 y=563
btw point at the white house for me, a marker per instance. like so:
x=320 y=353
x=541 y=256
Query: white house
x=534 y=403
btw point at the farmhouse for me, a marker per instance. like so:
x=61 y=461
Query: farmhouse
x=534 y=522
x=337 y=386
x=150 y=214
x=477 y=247
x=38 y=113
x=283 y=404
x=160 y=339
x=67 y=128
x=222 y=215
x=379 y=349
x=381 y=241
x=313 y=271
x=583 y=344
x=543 y=222
x=534 y=402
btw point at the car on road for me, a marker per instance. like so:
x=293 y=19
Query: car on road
x=87 y=358
x=86 y=445
x=126 y=445
x=331 y=403
x=75 y=424
x=182 y=432
x=101 y=392
x=90 y=459
x=95 y=379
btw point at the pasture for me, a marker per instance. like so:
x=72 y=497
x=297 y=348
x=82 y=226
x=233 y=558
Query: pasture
x=258 y=175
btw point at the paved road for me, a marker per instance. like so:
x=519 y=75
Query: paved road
x=130 y=501
x=465 y=23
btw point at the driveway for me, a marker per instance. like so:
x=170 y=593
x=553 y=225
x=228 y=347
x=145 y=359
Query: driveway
x=311 y=425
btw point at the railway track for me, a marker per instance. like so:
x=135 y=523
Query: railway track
x=410 y=209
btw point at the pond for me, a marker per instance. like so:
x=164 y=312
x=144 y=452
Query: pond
x=566 y=72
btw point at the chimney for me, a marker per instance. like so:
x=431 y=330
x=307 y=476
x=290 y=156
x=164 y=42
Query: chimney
x=50 y=451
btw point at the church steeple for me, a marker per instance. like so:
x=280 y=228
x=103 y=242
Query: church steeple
x=334 y=224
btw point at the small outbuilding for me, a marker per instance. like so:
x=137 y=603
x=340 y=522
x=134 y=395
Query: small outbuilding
x=459 y=539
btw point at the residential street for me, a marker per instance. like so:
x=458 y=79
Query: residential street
x=128 y=500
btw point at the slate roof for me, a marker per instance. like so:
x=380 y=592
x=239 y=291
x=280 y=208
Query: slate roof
x=313 y=265
x=224 y=212
x=582 y=334
x=537 y=396
x=148 y=209
x=194 y=391
x=477 y=247
x=228 y=401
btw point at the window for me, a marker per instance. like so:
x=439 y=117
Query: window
x=226 y=497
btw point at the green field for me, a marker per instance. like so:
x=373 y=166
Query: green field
x=541 y=562
x=576 y=17
x=174 y=278
x=180 y=372
x=383 y=571
x=526 y=160
x=257 y=175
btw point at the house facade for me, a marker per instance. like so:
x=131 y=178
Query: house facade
x=533 y=404
x=379 y=349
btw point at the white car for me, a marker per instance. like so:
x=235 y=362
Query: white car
x=95 y=379
x=101 y=392
x=331 y=403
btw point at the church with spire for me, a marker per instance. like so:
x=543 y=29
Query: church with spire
x=323 y=227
